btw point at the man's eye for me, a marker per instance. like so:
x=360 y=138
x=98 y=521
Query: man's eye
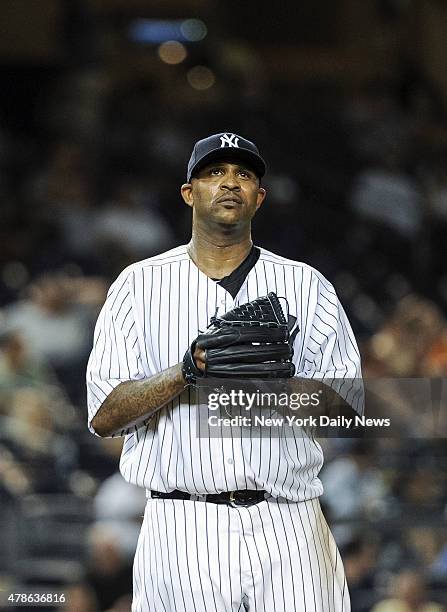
x=244 y=173
x=216 y=171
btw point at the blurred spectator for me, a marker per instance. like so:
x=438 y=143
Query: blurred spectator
x=438 y=568
x=412 y=343
x=109 y=571
x=62 y=172
x=364 y=489
x=121 y=506
x=408 y=595
x=422 y=490
x=404 y=355
x=45 y=456
x=359 y=560
x=75 y=218
x=56 y=320
x=80 y=598
x=386 y=194
x=17 y=367
x=426 y=542
x=130 y=222
x=117 y=500
x=14 y=480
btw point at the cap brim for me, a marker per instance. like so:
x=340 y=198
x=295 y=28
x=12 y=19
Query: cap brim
x=253 y=161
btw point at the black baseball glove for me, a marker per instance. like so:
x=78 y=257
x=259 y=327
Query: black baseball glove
x=250 y=341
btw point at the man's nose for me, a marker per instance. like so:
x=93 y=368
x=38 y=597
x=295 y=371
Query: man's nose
x=230 y=181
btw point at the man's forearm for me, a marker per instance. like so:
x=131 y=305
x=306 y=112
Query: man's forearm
x=134 y=400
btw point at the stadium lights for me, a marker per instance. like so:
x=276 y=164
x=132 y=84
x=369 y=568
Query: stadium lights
x=201 y=78
x=156 y=31
x=172 y=52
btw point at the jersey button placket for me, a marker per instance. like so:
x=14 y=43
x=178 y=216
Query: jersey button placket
x=224 y=300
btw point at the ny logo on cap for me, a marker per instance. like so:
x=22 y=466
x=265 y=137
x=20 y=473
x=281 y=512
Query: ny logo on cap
x=229 y=140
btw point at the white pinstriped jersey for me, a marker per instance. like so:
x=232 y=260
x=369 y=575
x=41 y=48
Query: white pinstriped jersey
x=153 y=311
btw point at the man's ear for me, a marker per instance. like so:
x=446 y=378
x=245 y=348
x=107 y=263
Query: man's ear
x=186 y=191
x=261 y=197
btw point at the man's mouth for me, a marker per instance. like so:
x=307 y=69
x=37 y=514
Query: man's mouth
x=229 y=200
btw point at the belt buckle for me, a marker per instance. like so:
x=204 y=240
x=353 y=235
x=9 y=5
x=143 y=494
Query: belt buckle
x=235 y=502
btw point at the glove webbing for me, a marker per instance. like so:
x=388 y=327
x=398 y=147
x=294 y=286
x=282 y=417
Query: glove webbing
x=262 y=311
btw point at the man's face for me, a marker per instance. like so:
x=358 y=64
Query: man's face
x=224 y=193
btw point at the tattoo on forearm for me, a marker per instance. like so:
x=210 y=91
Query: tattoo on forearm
x=134 y=401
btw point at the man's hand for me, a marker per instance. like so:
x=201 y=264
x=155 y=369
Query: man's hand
x=199 y=358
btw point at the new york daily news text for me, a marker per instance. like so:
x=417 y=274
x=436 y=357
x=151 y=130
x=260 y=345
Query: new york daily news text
x=379 y=407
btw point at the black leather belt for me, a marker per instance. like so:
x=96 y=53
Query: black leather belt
x=245 y=497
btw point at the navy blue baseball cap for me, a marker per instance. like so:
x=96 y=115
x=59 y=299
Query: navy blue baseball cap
x=225 y=146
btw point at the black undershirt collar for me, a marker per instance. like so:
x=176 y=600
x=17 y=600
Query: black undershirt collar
x=233 y=282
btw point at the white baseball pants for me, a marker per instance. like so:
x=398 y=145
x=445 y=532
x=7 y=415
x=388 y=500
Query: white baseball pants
x=274 y=556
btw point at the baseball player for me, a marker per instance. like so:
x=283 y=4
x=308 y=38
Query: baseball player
x=232 y=523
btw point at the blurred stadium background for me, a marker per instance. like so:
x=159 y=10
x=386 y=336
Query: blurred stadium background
x=100 y=104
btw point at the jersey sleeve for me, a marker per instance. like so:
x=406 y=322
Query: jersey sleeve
x=331 y=351
x=115 y=356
